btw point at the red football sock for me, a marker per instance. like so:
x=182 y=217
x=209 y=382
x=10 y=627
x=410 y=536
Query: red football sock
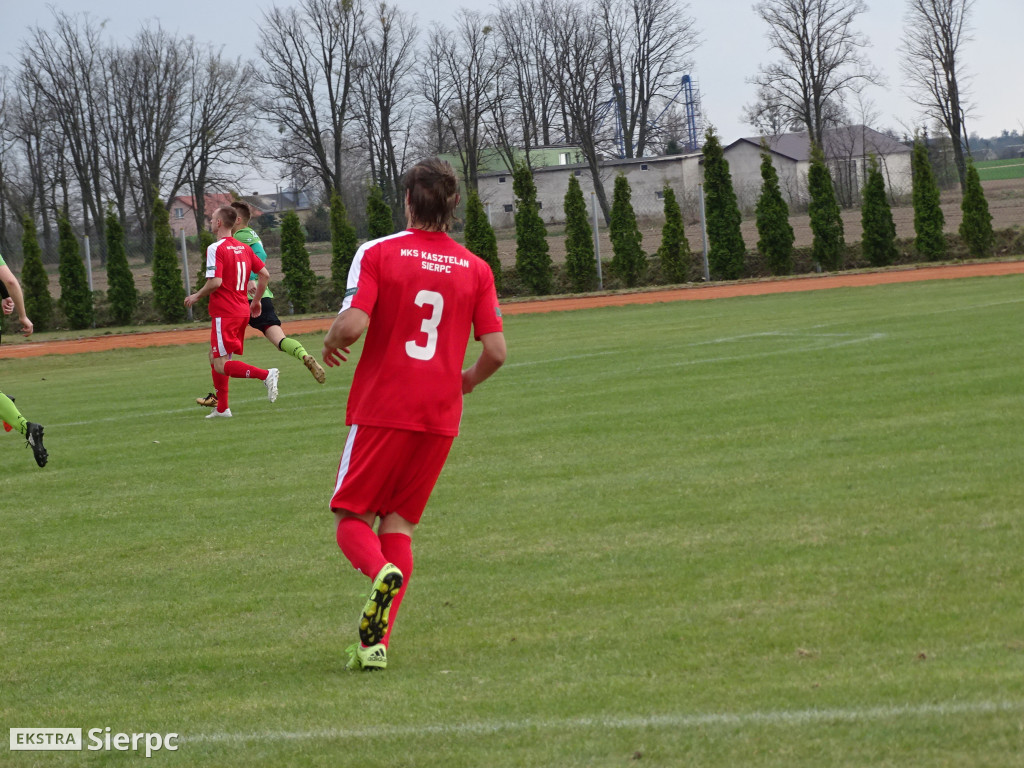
x=397 y=549
x=236 y=369
x=361 y=546
x=220 y=386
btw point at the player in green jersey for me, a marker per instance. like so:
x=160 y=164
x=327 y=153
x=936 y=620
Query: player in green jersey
x=14 y=301
x=267 y=323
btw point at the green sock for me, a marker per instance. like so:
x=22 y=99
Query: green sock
x=9 y=412
x=293 y=348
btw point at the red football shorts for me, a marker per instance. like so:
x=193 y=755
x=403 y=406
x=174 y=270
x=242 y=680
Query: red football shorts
x=227 y=336
x=389 y=470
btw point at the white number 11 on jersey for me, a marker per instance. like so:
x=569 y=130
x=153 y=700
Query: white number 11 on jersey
x=428 y=326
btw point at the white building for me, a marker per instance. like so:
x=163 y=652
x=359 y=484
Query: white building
x=647 y=178
x=847 y=151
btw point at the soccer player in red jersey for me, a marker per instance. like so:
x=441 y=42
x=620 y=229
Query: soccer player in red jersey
x=228 y=264
x=418 y=295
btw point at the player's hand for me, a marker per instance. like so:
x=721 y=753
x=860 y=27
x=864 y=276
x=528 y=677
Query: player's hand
x=467 y=381
x=255 y=308
x=26 y=325
x=251 y=292
x=335 y=356
x=7 y=305
x=190 y=300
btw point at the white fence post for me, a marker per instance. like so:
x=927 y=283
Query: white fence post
x=88 y=262
x=184 y=264
x=597 y=244
x=704 y=232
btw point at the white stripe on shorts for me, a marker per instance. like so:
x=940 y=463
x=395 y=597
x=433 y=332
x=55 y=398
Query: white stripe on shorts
x=346 y=457
x=221 y=351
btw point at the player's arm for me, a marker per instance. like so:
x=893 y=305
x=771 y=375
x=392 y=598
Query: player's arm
x=345 y=331
x=492 y=357
x=255 y=307
x=261 y=254
x=211 y=285
x=258 y=249
x=13 y=287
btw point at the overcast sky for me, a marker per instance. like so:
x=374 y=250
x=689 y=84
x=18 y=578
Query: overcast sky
x=734 y=46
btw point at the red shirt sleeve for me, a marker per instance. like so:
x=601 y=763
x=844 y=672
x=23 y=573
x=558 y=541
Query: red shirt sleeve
x=219 y=270
x=365 y=297
x=486 y=313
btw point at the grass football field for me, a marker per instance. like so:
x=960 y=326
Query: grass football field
x=769 y=531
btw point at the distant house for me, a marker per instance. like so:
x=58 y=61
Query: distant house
x=492 y=160
x=647 y=178
x=183 y=212
x=299 y=200
x=847 y=152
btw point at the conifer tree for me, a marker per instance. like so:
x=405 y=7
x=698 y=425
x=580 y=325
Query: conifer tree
x=344 y=244
x=168 y=288
x=628 y=259
x=674 y=252
x=929 y=220
x=826 y=222
x=533 y=262
x=579 y=242
x=480 y=237
x=75 y=297
x=35 y=282
x=378 y=215
x=878 y=242
x=121 y=292
x=775 y=233
x=726 y=250
x=299 y=279
x=976 y=226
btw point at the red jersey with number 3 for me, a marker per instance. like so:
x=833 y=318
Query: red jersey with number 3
x=232 y=262
x=425 y=294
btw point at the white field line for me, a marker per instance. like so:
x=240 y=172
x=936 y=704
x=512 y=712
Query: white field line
x=782 y=718
x=843 y=339
x=817 y=343
x=832 y=340
x=201 y=411
x=710 y=343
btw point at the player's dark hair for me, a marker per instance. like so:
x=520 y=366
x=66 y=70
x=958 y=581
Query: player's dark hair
x=227 y=215
x=243 y=210
x=433 y=191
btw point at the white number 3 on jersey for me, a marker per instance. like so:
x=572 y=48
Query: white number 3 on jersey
x=428 y=326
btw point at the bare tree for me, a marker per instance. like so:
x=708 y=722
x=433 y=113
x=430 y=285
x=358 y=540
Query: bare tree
x=311 y=56
x=386 y=96
x=580 y=69
x=932 y=38
x=820 y=61
x=65 y=67
x=115 y=151
x=35 y=128
x=768 y=116
x=527 y=111
x=8 y=163
x=468 y=68
x=219 y=128
x=155 y=79
x=649 y=43
x=437 y=134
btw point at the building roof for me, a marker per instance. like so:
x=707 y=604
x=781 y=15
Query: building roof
x=848 y=141
x=605 y=163
x=213 y=201
x=278 y=202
